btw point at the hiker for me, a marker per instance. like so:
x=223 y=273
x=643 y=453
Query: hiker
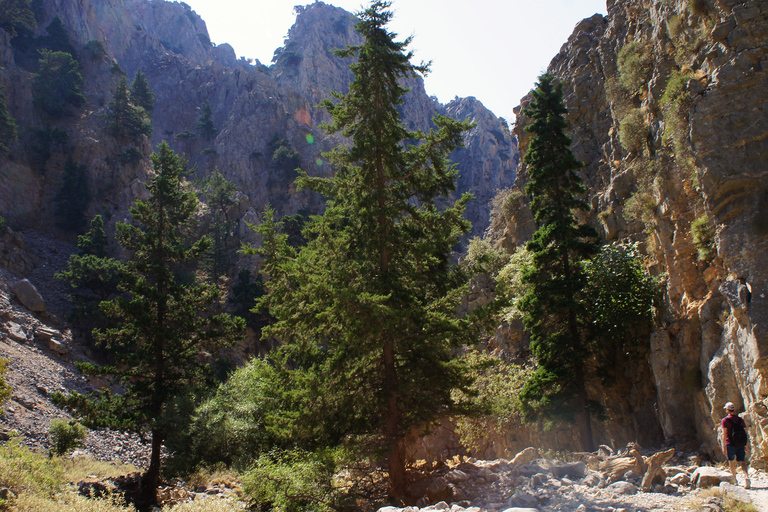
x=734 y=442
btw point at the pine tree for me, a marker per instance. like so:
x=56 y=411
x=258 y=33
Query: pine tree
x=219 y=194
x=366 y=309
x=93 y=277
x=125 y=120
x=554 y=307
x=164 y=322
x=205 y=125
x=8 y=127
x=16 y=14
x=58 y=39
x=56 y=85
x=73 y=197
x=141 y=95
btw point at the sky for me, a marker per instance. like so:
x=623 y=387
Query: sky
x=493 y=50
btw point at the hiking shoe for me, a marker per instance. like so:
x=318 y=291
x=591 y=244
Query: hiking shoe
x=747 y=484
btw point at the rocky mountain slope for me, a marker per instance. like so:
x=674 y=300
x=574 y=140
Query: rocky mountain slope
x=667 y=106
x=250 y=103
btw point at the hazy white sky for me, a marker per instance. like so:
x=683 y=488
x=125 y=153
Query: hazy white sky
x=491 y=49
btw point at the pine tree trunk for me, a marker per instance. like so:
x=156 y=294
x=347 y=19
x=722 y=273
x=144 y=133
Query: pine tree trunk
x=396 y=459
x=584 y=420
x=151 y=478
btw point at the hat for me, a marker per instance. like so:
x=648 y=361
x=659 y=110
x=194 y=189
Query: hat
x=729 y=407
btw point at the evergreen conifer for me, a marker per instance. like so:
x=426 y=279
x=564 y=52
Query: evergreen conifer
x=164 y=322
x=125 y=120
x=554 y=308
x=141 y=95
x=366 y=309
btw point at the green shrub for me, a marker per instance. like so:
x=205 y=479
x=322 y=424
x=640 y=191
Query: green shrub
x=703 y=237
x=510 y=285
x=483 y=258
x=230 y=427
x=96 y=48
x=634 y=64
x=495 y=395
x=633 y=131
x=5 y=388
x=56 y=85
x=675 y=105
x=66 y=435
x=21 y=470
x=294 y=481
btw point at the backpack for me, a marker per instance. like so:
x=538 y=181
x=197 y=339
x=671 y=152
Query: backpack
x=739 y=437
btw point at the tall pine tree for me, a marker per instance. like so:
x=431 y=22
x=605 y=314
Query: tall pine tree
x=554 y=306
x=366 y=309
x=164 y=322
x=141 y=95
x=126 y=120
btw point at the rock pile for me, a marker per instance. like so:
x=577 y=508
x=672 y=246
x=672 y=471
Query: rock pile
x=544 y=485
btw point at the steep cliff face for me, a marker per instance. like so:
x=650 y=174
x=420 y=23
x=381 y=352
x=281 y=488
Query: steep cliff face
x=251 y=105
x=667 y=105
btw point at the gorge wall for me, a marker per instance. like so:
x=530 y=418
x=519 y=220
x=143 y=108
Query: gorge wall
x=667 y=107
x=251 y=103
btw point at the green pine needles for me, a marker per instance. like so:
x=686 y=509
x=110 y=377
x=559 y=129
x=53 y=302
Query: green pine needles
x=554 y=313
x=162 y=323
x=365 y=310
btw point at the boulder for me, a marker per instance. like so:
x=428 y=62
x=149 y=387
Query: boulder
x=707 y=476
x=16 y=332
x=525 y=456
x=573 y=470
x=28 y=295
x=622 y=488
x=59 y=347
x=524 y=500
x=521 y=509
x=456 y=476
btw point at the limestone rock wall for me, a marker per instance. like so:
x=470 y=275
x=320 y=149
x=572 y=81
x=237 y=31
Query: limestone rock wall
x=251 y=104
x=691 y=188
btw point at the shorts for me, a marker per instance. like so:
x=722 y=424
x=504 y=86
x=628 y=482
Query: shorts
x=736 y=452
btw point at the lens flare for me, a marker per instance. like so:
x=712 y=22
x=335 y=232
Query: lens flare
x=319 y=162
x=310 y=139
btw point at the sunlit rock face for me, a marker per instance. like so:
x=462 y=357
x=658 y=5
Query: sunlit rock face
x=251 y=104
x=701 y=100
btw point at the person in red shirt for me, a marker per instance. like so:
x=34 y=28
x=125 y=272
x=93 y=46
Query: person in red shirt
x=732 y=452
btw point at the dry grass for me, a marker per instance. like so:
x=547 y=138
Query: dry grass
x=215 y=475
x=82 y=468
x=727 y=501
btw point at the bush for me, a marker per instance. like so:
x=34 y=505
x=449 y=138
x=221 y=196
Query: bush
x=633 y=131
x=230 y=427
x=96 y=48
x=495 y=394
x=634 y=64
x=294 y=481
x=704 y=238
x=675 y=105
x=5 y=388
x=66 y=436
x=510 y=285
x=22 y=470
x=56 y=85
x=483 y=258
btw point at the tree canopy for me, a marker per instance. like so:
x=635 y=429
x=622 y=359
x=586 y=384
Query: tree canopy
x=126 y=120
x=162 y=320
x=365 y=310
x=554 y=312
x=57 y=84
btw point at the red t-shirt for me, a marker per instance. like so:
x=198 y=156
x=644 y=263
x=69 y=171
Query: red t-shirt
x=728 y=422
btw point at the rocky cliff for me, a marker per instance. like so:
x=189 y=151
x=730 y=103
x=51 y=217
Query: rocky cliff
x=667 y=107
x=251 y=104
